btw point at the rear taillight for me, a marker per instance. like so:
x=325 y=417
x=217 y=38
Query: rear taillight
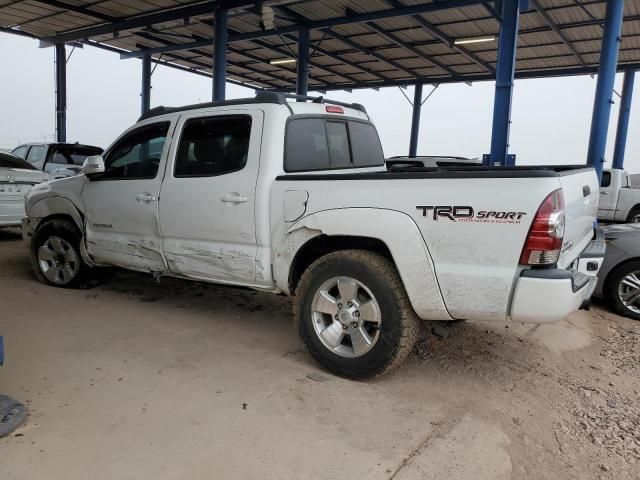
x=544 y=241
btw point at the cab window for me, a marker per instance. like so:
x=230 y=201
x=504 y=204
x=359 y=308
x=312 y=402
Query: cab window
x=137 y=155
x=213 y=146
x=606 y=179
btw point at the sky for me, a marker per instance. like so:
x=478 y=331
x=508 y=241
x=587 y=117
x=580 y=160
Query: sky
x=550 y=117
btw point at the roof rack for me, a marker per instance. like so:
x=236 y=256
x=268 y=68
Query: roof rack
x=279 y=98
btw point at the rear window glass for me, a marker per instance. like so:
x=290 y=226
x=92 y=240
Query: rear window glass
x=368 y=150
x=307 y=147
x=71 y=155
x=606 y=179
x=11 y=161
x=338 y=140
x=325 y=144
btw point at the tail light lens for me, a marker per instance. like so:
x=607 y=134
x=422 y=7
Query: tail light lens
x=544 y=241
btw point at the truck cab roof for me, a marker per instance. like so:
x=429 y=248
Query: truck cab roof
x=297 y=105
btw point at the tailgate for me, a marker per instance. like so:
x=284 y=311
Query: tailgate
x=580 y=189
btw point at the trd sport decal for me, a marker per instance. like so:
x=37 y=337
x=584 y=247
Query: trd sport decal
x=466 y=213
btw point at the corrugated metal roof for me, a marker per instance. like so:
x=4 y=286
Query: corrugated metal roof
x=392 y=50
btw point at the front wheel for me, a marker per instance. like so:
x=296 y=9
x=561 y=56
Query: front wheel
x=352 y=312
x=622 y=290
x=55 y=254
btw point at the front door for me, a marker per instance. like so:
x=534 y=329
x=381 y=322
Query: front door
x=207 y=201
x=122 y=204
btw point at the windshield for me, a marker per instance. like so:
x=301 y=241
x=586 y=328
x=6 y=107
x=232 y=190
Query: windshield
x=11 y=161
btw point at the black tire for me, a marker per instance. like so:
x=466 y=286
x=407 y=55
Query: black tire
x=634 y=215
x=612 y=284
x=399 y=326
x=67 y=231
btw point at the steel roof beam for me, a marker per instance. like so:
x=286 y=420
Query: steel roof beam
x=148 y=19
x=371 y=53
x=207 y=65
x=398 y=41
x=168 y=15
x=485 y=77
x=286 y=53
x=443 y=37
x=554 y=26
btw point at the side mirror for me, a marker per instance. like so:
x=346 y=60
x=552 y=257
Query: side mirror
x=93 y=165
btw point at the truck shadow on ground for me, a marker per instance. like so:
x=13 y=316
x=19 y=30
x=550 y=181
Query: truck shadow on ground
x=468 y=346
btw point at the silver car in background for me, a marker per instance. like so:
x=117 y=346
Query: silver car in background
x=619 y=276
x=16 y=179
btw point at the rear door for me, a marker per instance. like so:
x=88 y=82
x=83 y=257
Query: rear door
x=207 y=202
x=580 y=190
x=122 y=204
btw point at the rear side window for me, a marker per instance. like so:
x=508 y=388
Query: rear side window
x=606 y=179
x=325 y=144
x=213 y=146
x=36 y=153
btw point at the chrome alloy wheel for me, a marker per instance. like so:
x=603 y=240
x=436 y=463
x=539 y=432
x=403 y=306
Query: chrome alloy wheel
x=629 y=291
x=58 y=260
x=346 y=317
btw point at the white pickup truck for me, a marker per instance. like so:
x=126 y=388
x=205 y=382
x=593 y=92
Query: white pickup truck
x=619 y=198
x=294 y=198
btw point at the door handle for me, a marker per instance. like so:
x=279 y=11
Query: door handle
x=234 y=198
x=604 y=193
x=145 y=198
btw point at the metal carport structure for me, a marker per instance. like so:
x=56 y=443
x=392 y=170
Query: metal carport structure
x=301 y=45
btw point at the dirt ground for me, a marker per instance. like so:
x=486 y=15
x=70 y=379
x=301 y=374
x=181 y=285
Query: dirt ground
x=134 y=379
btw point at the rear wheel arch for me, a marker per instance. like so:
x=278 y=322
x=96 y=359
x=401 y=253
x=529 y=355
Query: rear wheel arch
x=392 y=234
x=322 y=245
x=633 y=212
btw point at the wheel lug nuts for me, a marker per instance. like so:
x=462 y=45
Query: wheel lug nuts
x=354 y=324
x=349 y=305
x=339 y=305
x=356 y=313
x=336 y=317
x=344 y=327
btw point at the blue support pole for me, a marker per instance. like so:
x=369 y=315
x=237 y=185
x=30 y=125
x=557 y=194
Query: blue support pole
x=604 y=87
x=220 y=38
x=415 y=119
x=505 y=72
x=623 y=119
x=61 y=92
x=145 y=93
x=302 y=81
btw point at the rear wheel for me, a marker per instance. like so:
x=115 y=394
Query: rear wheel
x=352 y=312
x=634 y=216
x=55 y=254
x=622 y=290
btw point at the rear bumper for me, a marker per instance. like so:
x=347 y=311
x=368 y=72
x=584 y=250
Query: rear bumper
x=550 y=295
